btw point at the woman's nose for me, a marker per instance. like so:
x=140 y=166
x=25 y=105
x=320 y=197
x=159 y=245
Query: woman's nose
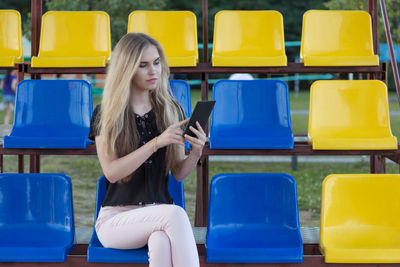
x=152 y=69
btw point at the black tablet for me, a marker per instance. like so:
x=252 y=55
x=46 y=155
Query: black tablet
x=201 y=113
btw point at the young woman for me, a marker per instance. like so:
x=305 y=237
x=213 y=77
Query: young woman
x=137 y=129
x=8 y=84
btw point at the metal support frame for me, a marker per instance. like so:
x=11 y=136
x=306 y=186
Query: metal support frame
x=204 y=68
x=312 y=258
x=377 y=164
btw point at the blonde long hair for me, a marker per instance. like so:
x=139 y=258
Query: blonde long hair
x=117 y=121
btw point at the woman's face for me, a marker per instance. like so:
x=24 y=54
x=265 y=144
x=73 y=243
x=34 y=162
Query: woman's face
x=149 y=71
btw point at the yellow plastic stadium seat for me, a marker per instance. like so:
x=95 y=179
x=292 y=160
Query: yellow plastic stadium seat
x=360 y=218
x=10 y=38
x=175 y=30
x=248 y=38
x=350 y=115
x=74 y=39
x=337 y=38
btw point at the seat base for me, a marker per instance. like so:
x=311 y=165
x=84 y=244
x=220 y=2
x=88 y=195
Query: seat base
x=35 y=254
x=252 y=143
x=97 y=253
x=190 y=61
x=34 y=243
x=341 y=60
x=7 y=61
x=222 y=61
x=254 y=255
x=66 y=62
x=47 y=142
x=361 y=255
x=324 y=143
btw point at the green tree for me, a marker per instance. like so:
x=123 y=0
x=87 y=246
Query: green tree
x=23 y=7
x=118 y=10
x=393 y=10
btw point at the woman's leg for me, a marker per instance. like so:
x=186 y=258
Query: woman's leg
x=132 y=229
x=159 y=249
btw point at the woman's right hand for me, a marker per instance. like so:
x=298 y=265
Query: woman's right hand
x=172 y=135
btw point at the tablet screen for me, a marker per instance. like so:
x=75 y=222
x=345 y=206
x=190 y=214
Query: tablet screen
x=201 y=113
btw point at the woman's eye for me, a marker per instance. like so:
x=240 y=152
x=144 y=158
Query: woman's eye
x=156 y=62
x=142 y=65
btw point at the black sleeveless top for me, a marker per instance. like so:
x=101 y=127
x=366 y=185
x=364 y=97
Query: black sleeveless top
x=149 y=183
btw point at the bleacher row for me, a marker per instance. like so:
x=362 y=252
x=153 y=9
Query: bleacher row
x=241 y=38
x=252 y=217
x=37 y=219
x=344 y=115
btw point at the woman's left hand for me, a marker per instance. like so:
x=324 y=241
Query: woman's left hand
x=197 y=143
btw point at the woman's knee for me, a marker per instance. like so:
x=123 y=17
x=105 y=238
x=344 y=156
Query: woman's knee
x=175 y=212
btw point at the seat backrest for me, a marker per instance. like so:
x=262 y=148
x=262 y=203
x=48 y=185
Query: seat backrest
x=36 y=199
x=176 y=190
x=354 y=200
x=75 y=34
x=248 y=33
x=181 y=91
x=53 y=108
x=11 y=36
x=357 y=108
x=264 y=199
x=243 y=105
x=336 y=33
x=175 y=30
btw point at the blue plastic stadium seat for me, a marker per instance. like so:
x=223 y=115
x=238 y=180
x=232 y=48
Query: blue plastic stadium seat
x=97 y=253
x=181 y=91
x=253 y=218
x=251 y=115
x=36 y=217
x=51 y=114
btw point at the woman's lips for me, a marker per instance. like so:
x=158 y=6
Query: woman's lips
x=154 y=80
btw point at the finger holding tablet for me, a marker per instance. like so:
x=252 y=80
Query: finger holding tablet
x=200 y=114
x=194 y=132
x=200 y=134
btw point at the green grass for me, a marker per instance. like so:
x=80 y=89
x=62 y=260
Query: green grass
x=393 y=102
x=299 y=124
x=299 y=101
x=395 y=126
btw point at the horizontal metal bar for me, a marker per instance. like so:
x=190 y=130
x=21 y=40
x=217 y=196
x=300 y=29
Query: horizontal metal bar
x=300 y=148
x=292 y=67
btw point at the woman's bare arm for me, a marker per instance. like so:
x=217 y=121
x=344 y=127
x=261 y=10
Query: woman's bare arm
x=186 y=166
x=115 y=168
